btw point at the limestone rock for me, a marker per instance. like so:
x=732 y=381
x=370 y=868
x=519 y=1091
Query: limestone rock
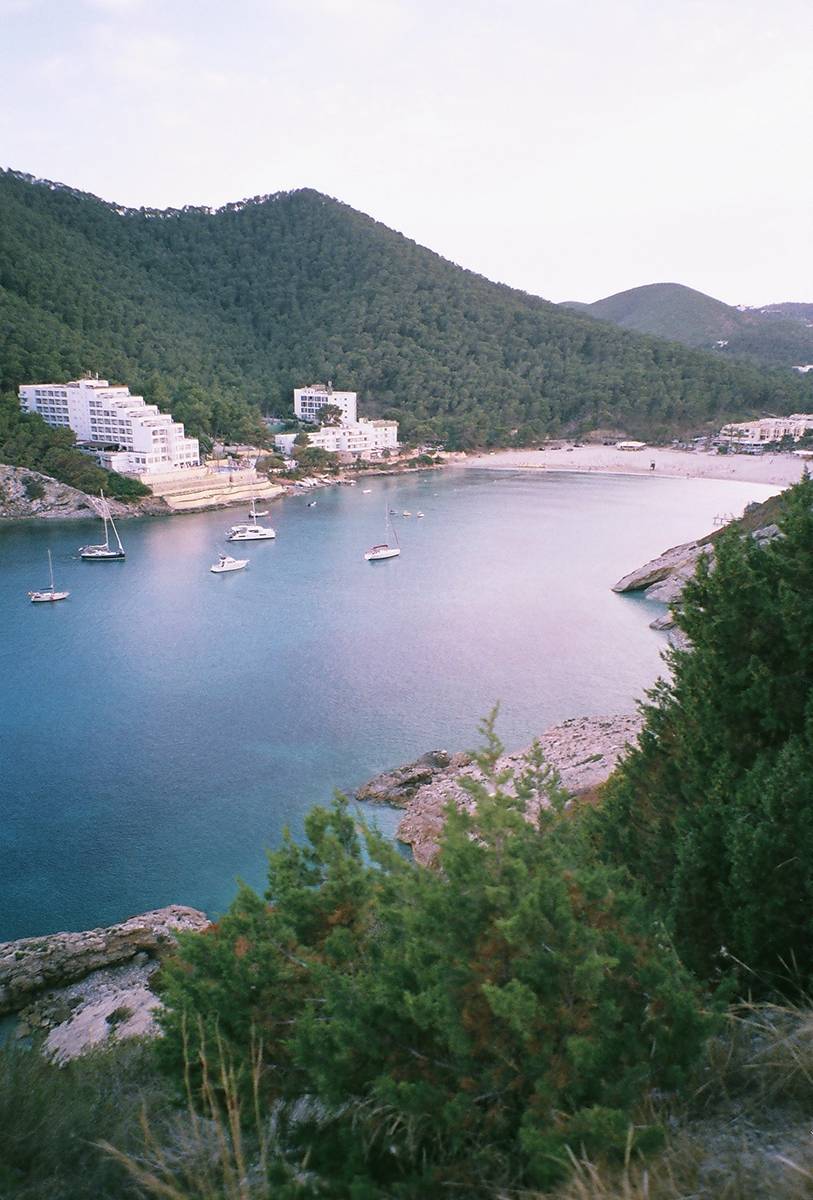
x=664 y=578
x=110 y=1004
x=30 y=965
x=584 y=750
x=59 y=500
x=397 y=786
x=682 y=559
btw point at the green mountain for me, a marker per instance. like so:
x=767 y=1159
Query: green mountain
x=220 y=313
x=779 y=335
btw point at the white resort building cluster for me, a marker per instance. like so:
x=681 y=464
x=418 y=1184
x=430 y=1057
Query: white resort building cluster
x=753 y=434
x=353 y=437
x=126 y=434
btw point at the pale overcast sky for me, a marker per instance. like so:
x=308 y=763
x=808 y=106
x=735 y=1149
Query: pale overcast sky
x=573 y=148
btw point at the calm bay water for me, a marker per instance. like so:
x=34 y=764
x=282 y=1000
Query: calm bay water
x=161 y=727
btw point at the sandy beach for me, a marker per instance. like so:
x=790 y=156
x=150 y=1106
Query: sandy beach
x=777 y=470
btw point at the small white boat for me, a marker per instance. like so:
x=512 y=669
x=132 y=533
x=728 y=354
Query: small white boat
x=407 y=513
x=311 y=504
x=252 y=512
x=418 y=514
x=49 y=594
x=250 y=533
x=104 y=552
x=366 y=491
x=227 y=563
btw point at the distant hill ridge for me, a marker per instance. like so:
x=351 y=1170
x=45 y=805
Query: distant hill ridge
x=219 y=313
x=776 y=335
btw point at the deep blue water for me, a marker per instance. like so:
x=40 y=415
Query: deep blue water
x=161 y=727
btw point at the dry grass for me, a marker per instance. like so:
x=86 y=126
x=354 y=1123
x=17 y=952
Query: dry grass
x=218 y=1151
x=746 y=1133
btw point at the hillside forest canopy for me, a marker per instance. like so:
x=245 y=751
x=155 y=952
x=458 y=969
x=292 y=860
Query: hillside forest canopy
x=218 y=315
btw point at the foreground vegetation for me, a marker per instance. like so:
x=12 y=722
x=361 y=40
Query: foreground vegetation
x=218 y=315
x=564 y=1008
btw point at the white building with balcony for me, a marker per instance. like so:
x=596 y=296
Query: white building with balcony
x=767 y=430
x=126 y=434
x=309 y=400
x=356 y=437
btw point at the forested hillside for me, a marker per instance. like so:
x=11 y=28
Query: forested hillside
x=220 y=313
x=779 y=335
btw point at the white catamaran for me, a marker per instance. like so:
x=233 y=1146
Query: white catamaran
x=104 y=552
x=250 y=533
x=50 y=593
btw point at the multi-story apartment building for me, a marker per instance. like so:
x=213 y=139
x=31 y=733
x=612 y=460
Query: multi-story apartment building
x=355 y=436
x=767 y=429
x=309 y=400
x=362 y=439
x=126 y=434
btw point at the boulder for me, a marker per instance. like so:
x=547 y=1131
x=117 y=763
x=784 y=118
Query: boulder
x=32 y=965
x=664 y=578
x=679 y=558
x=397 y=786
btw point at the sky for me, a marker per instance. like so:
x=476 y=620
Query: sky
x=572 y=148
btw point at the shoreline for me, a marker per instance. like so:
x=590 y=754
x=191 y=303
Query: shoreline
x=772 y=470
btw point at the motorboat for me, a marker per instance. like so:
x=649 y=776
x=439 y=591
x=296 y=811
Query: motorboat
x=49 y=594
x=250 y=533
x=252 y=512
x=104 y=552
x=227 y=563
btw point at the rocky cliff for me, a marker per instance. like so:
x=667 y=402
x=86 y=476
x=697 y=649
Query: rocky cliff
x=58 y=500
x=584 y=751
x=29 y=966
x=663 y=578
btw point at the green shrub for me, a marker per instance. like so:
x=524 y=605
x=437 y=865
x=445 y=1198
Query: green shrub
x=712 y=811
x=52 y=1117
x=458 y=1028
x=34 y=489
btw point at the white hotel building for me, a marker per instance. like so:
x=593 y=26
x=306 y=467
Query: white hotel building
x=149 y=442
x=767 y=429
x=308 y=401
x=356 y=437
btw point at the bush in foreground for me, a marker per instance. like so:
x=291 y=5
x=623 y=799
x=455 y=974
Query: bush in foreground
x=712 y=811
x=453 y=1029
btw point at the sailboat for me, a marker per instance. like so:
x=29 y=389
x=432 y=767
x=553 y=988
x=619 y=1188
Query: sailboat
x=50 y=593
x=104 y=552
x=384 y=550
x=252 y=512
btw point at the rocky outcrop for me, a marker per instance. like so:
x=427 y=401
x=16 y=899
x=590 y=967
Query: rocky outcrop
x=30 y=966
x=584 y=751
x=110 y=1004
x=398 y=786
x=656 y=578
x=58 y=500
x=664 y=578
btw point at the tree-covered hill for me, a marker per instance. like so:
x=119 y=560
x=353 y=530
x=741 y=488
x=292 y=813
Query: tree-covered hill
x=780 y=335
x=220 y=313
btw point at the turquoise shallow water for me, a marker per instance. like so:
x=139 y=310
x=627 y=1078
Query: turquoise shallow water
x=160 y=727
